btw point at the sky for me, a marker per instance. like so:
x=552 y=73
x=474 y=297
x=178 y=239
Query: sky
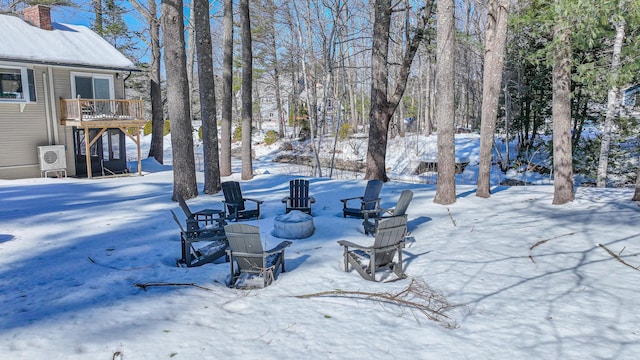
x=513 y=276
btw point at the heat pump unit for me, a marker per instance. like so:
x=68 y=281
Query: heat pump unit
x=52 y=158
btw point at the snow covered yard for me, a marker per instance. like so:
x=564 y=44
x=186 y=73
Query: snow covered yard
x=531 y=279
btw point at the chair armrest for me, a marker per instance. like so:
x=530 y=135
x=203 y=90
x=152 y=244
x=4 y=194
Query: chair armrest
x=203 y=235
x=374 y=212
x=243 y=254
x=285 y=199
x=235 y=204
x=254 y=200
x=344 y=201
x=312 y=199
x=377 y=200
x=349 y=244
x=279 y=248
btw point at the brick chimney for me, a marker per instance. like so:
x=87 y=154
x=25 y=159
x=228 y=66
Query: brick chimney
x=38 y=15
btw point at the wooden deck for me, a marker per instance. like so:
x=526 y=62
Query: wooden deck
x=84 y=112
x=104 y=114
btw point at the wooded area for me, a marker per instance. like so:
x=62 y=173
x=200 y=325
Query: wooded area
x=518 y=69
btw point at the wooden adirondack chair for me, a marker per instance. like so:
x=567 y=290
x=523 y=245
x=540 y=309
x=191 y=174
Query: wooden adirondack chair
x=370 y=200
x=299 y=198
x=371 y=221
x=389 y=241
x=215 y=248
x=245 y=249
x=235 y=203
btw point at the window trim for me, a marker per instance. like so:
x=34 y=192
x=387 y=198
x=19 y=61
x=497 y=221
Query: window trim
x=26 y=74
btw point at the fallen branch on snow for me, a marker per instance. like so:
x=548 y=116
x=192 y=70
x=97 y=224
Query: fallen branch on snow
x=451 y=217
x=617 y=257
x=116 y=268
x=544 y=241
x=147 y=285
x=416 y=296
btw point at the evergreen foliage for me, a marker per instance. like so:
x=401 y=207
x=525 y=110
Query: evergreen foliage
x=270 y=137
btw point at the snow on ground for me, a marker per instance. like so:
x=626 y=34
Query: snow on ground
x=529 y=280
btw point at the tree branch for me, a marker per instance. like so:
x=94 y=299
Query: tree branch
x=617 y=257
x=148 y=285
x=416 y=296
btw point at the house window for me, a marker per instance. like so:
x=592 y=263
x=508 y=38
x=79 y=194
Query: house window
x=17 y=85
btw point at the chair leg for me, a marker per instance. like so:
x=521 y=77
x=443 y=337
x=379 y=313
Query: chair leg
x=398 y=268
x=346 y=259
x=372 y=267
x=232 y=278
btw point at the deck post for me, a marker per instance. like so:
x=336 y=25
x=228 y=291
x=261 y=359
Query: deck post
x=87 y=151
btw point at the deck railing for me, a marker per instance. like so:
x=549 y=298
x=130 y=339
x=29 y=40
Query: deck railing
x=101 y=109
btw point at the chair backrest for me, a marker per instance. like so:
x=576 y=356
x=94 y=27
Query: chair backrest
x=245 y=239
x=403 y=203
x=299 y=193
x=175 y=218
x=390 y=231
x=372 y=192
x=184 y=206
x=233 y=194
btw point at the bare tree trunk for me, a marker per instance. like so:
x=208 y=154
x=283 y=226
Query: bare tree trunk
x=445 y=109
x=428 y=106
x=276 y=70
x=247 y=91
x=612 y=103
x=156 y=149
x=561 y=110
x=207 y=97
x=191 y=58
x=636 y=193
x=496 y=35
x=310 y=85
x=227 y=90
x=184 y=179
x=382 y=109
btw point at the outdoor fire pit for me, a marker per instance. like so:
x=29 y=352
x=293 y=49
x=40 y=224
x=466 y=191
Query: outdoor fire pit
x=294 y=225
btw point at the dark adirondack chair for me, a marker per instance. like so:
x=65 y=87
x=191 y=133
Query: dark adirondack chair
x=204 y=217
x=215 y=239
x=389 y=241
x=235 y=203
x=299 y=198
x=371 y=221
x=245 y=250
x=370 y=200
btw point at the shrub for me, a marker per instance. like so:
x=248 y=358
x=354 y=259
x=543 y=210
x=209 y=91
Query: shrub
x=270 y=137
x=146 y=130
x=305 y=130
x=237 y=133
x=344 y=131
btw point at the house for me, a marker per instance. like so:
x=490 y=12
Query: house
x=62 y=97
x=328 y=107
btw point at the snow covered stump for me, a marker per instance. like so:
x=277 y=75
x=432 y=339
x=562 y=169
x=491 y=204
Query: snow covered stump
x=294 y=225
